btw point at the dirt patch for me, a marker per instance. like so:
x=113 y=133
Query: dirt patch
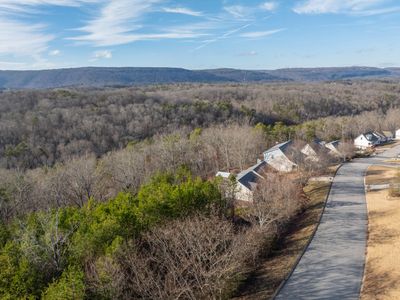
x=382 y=271
x=263 y=283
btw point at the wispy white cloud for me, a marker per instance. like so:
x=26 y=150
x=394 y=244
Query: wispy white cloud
x=55 y=52
x=239 y=11
x=249 y=53
x=7 y=6
x=260 y=34
x=182 y=11
x=102 y=54
x=354 y=7
x=121 y=22
x=377 y=11
x=269 y=6
x=18 y=38
x=116 y=22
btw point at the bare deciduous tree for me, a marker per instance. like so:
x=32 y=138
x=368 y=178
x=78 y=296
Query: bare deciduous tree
x=195 y=258
x=276 y=200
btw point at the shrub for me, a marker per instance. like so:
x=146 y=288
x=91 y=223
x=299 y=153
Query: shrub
x=70 y=286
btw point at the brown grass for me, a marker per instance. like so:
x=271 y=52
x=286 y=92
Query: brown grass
x=396 y=161
x=382 y=271
x=380 y=175
x=331 y=171
x=263 y=283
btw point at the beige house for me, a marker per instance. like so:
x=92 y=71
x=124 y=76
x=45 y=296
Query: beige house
x=278 y=158
x=333 y=148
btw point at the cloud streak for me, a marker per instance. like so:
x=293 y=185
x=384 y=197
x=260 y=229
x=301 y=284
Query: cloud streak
x=224 y=36
x=182 y=11
x=239 y=12
x=353 y=7
x=260 y=34
x=27 y=6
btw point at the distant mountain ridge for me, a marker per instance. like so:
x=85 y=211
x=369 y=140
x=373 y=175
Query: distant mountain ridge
x=101 y=77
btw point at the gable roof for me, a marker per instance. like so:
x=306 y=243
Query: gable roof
x=371 y=137
x=249 y=177
x=379 y=135
x=316 y=145
x=333 y=143
x=282 y=146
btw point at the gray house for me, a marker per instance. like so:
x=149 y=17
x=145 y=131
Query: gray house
x=246 y=181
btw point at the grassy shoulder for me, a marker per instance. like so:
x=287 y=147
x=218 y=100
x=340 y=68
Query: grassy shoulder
x=382 y=272
x=395 y=160
x=380 y=175
x=271 y=272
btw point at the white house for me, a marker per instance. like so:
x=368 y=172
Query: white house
x=246 y=181
x=367 y=140
x=277 y=157
x=398 y=134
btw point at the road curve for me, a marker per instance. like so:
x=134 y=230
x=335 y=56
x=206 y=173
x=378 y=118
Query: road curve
x=333 y=265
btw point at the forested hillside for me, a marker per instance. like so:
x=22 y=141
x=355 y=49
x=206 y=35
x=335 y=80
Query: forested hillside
x=42 y=127
x=111 y=193
x=101 y=77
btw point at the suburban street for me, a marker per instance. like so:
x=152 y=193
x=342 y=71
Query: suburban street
x=333 y=265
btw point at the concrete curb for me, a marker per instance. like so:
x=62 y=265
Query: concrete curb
x=283 y=283
x=367 y=237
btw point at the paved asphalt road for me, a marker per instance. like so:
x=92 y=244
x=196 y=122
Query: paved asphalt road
x=333 y=265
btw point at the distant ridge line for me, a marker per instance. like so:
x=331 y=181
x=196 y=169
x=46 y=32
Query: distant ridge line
x=128 y=76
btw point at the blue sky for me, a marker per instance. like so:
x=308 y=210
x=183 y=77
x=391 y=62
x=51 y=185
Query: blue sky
x=199 y=34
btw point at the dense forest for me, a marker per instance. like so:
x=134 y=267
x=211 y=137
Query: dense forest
x=42 y=127
x=111 y=194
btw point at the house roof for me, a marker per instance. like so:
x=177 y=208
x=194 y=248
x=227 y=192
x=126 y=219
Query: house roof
x=282 y=146
x=250 y=176
x=316 y=144
x=371 y=137
x=223 y=174
x=379 y=135
x=333 y=143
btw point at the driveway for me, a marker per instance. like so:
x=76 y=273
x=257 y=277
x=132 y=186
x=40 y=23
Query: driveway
x=333 y=265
